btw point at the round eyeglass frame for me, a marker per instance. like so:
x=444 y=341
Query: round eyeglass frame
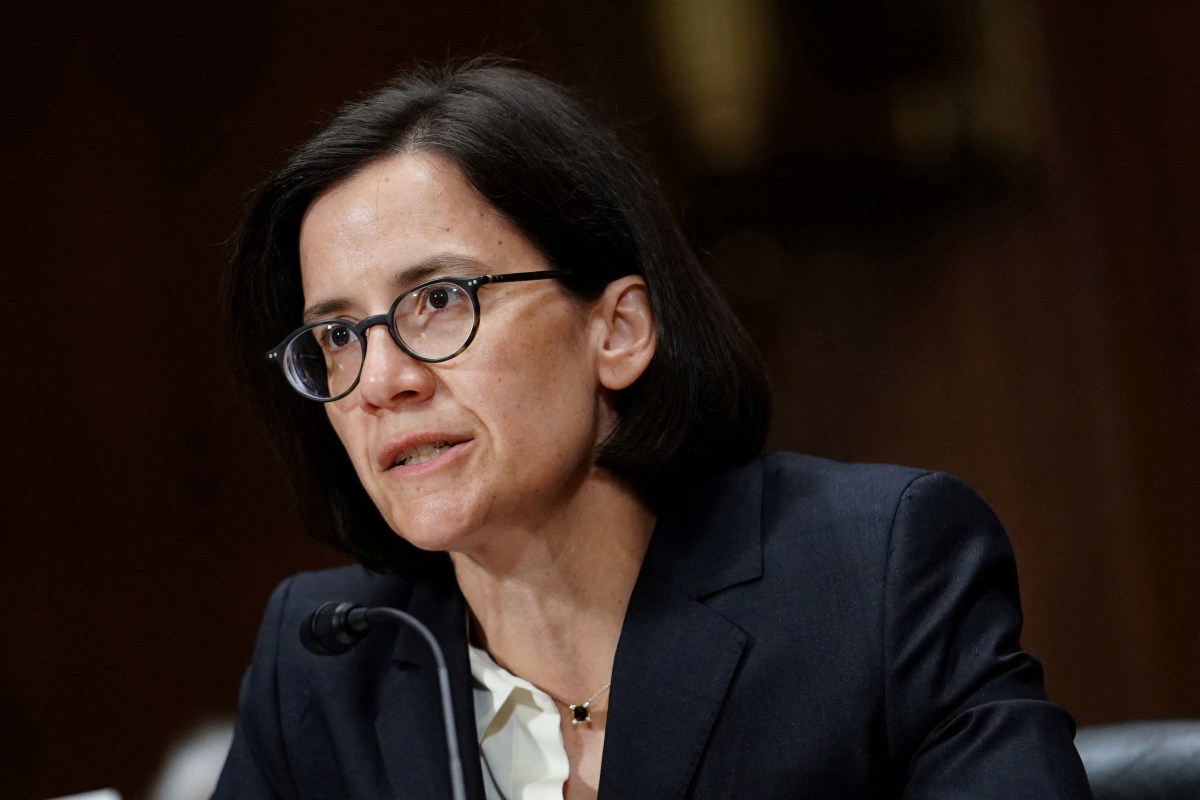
x=471 y=286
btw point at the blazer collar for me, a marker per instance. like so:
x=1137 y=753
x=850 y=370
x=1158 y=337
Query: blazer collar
x=712 y=539
x=677 y=657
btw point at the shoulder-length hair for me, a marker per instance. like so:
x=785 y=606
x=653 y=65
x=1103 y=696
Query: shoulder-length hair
x=574 y=190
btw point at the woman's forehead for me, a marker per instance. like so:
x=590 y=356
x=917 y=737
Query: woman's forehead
x=403 y=219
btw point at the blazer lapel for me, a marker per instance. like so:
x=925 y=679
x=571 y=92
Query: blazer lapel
x=673 y=667
x=677 y=658
x=409 y=726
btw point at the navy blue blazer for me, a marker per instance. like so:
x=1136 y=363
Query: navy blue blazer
x=800 y=628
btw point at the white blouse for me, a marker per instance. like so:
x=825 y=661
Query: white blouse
x=520 y=742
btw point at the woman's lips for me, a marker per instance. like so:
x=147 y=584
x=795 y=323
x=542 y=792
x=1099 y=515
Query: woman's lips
x=421 y=453
x=414 y=453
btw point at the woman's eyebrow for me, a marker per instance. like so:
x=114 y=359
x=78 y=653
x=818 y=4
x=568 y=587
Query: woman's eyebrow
x=326 y=308
x=452 y=265
x=440 y=265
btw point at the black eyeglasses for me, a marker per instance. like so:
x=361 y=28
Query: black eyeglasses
x=433 y=321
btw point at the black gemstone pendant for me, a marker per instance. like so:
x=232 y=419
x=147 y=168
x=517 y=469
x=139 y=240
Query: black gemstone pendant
x=580 y=713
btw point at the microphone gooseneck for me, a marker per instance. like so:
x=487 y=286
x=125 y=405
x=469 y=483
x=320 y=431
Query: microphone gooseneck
x=335 y=628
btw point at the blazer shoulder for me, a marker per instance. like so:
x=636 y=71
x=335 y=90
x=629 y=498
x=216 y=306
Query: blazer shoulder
x=819 y=488
x=823 y=475
x=812 y=501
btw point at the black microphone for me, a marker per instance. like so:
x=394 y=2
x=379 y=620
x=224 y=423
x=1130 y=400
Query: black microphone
x=335 y=627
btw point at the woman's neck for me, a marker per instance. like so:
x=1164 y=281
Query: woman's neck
x=548 y=602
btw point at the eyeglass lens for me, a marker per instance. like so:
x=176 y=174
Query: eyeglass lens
x=433 y=321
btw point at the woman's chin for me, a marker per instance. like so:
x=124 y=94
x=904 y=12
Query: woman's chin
x=432 y=544
x=436 y=532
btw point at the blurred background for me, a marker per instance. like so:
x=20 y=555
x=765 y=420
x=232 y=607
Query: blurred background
x=964 y=233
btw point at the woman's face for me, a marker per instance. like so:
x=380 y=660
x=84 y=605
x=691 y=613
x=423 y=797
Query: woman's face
x=501 y=435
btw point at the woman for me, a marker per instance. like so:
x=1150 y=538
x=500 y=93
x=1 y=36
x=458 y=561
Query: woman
x=511 y=393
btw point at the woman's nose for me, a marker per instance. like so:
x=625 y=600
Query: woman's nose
x=390 y=375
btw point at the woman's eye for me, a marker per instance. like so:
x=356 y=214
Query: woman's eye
x=440 y=297
x=335 y=337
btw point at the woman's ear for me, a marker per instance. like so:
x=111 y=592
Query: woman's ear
x=627 y=335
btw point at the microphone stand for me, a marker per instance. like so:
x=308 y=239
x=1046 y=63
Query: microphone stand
x=334 y=628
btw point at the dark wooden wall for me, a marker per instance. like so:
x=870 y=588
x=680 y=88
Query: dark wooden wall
x=965 y=239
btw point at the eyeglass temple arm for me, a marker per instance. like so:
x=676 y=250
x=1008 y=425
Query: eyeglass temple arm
x=524 y=276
